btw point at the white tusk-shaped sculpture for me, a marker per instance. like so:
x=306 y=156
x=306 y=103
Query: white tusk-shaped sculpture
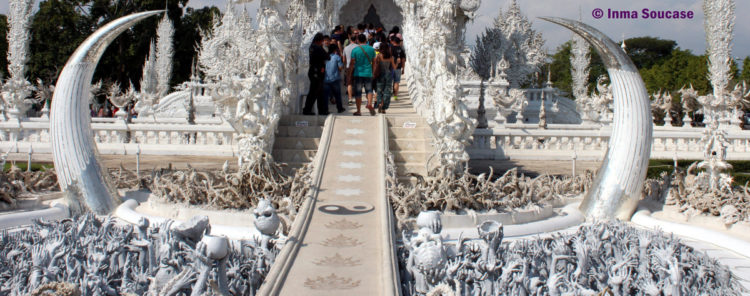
x=617 y=188
x=74 y=151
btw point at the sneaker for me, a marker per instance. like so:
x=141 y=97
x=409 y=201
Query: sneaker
x=395 y=98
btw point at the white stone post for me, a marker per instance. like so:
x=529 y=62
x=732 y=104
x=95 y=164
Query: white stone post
x=28 y=161
x=573 y=163
x=138 y=164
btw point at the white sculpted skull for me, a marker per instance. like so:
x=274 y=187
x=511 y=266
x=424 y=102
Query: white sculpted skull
x=428 y=253
x=266 y=220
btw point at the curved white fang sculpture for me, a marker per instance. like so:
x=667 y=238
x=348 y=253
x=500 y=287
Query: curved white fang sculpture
x=74 y=151
x=617 y=188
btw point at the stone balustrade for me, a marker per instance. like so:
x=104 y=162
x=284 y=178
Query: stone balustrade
x=589 y=142
x=215 y=137
x=172 y=136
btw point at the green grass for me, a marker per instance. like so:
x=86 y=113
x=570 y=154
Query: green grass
x=740 y=171
x=34 y=166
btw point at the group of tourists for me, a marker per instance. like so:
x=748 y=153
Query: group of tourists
x=364 y=59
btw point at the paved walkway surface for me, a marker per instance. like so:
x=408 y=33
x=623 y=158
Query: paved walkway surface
x=341 y=254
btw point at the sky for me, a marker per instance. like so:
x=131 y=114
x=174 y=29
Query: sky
x=688 y=33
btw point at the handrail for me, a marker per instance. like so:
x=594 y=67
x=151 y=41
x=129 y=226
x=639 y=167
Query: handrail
x=391 y=277
x=277 y=275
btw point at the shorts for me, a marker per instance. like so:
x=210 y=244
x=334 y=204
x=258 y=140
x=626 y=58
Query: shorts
x=397 y=76
x=348 y=79
x=362 y=82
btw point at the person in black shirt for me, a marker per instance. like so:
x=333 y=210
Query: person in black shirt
x=399 y=56
x=316 y=73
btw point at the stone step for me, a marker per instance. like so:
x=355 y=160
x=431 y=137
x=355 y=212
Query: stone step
x=296 y=143
x=418 y=145
x=302 y=120
x=293 y=155
x=398 y=121
x=290 y=168
x=300 y=132
x=409 y=133
x=411 y=156
x=404 y=168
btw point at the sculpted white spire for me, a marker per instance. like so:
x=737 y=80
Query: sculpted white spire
x=19 y=21
x=149 y=77
x=164 y=54
x=519 y=44
x=147 y=98
x=579 y=62
x=16 y=88
x=719 y=24
x=720 y=106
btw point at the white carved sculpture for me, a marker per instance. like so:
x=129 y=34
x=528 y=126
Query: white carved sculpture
x=82 y=256
x=689 y=103
x=714 y=156
x=121 y=99
x=73 y=148
x=600 y=101
x=606 y=256
x=663 y=102
x=164 y=54
x=427 y=256
x=432 y=35
x=520 y=101
x=248 y=78
x=16 y=88
x=44 y=95
x=498 y=91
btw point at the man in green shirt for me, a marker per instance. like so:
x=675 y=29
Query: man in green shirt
x=362 y=59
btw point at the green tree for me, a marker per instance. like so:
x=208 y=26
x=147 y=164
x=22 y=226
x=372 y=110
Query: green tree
x=682 y=68
x=3 y=45
x=560 y=68
x=649 y=51
x=745 y=75
x=60 y=26
x=56 y=31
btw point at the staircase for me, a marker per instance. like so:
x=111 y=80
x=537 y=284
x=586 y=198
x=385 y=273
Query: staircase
x=297 y=140
x=410 y=140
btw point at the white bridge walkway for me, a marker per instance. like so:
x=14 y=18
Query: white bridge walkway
x=347 y=248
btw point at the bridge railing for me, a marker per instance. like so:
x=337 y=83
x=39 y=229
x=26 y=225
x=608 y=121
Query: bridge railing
x=116 y=136
x=532 y=142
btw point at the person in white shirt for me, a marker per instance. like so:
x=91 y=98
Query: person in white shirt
x=347 y=62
